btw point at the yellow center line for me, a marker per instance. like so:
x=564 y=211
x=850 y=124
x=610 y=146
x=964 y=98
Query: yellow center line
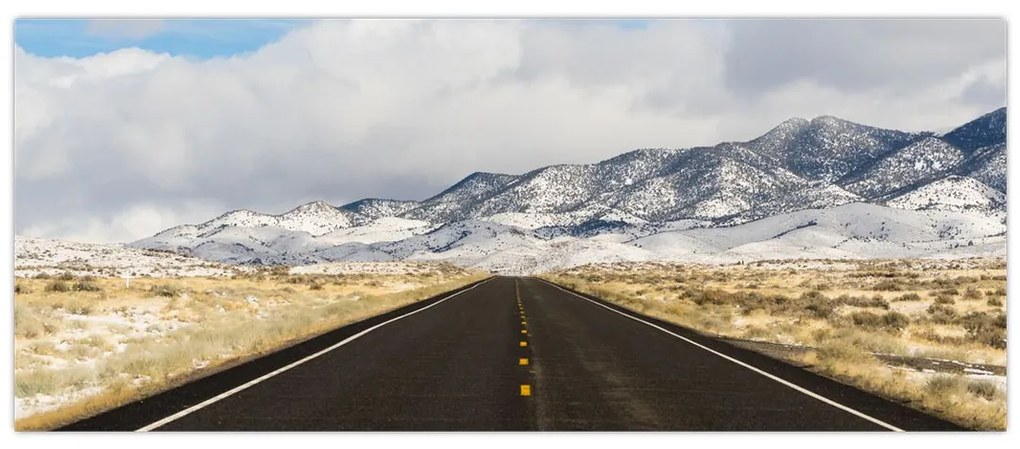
x=523 y=361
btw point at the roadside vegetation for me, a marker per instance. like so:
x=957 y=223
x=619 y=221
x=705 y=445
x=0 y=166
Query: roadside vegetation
x=84 y=344
x=928 y=333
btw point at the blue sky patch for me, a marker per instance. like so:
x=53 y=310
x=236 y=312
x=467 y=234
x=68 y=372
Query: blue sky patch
x=200 y=38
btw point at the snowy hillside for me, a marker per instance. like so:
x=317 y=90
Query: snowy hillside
x=988 y=165
x=315 y=218
x=917 y=227
x=807 y=188
x=954 y=193
x=922 y=160
x=33 y=256
x=373 y=208
x=987 y=130
x=827 y=148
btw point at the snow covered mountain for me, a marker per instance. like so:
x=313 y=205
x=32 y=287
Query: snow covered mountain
x=956 y=193
x=987 y=130
x=373 y=208
x=776 y=196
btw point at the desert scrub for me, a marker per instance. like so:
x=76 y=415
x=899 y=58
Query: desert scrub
x=861 y=301
x=868 y=312
x=908 y=297
x=892 y=321
x=85 y=286
x=58 y=286
x=888 y=286
x=941 y=313
x=118 y=343
x=166 y=290
x=944 y=385
x=985 y=328
x=986 y=390
x=28 y=324
x=821 y=309
x=944 y=299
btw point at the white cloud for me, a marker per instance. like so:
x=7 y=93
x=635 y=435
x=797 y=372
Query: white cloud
x=135 y=222
x=342 y=110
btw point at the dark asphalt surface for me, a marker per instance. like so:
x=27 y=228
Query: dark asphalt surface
x=513 y=354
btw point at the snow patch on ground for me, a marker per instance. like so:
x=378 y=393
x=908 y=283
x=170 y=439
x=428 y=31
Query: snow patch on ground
x=33 y=256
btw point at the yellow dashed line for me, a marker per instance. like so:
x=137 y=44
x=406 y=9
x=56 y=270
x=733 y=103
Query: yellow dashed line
x=523 y=361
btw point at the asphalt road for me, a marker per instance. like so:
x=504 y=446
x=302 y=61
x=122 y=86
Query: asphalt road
x=513 y=354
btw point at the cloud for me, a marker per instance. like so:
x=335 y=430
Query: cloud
x=858 y=55
x=139 y=220
x=340 y=110
x=131 y=29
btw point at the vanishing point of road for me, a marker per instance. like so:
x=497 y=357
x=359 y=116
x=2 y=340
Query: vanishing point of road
x=513 y=354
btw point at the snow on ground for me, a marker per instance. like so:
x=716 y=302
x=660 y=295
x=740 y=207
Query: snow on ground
x=849 y=232
x=954 y=193
x=527 y=243
x=33 y=256
x=386 y=229
x=333 y=268
x=116 y=327
x=31 y=405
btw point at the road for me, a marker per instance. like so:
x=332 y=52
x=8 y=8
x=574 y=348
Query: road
x=513 y=354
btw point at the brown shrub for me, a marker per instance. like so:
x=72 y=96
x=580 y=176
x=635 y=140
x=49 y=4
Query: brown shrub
x=860 y=301
x=85 y=286
x=985 y=328
x=943 y=299
x=908 y=297
x=892 y=321
x=972 y=293
x=58 y=286
x=941 y=313
x=887 y=286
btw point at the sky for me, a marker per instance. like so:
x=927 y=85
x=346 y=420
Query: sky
x=125 y=128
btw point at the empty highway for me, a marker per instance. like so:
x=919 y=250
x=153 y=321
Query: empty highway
x=513 y=354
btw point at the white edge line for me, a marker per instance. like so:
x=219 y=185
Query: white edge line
x=745 y=365
x=249 y=384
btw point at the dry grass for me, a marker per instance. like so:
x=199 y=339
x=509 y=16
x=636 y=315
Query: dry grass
x=84 y=350
x=846 y=311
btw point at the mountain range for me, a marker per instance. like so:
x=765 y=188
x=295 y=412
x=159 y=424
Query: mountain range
x=824 y=187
